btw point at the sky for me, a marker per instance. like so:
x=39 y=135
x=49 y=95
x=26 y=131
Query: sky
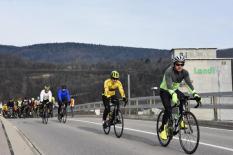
x=162 y=24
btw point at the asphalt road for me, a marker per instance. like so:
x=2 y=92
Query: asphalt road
x=84 y=136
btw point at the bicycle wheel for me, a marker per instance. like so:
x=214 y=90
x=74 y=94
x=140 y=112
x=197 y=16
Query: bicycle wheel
x=107 y=128
x=64 y=118
x=158 y=125
x=189 y=136
x=46 y=116
x=43 y=117
x=118 y=124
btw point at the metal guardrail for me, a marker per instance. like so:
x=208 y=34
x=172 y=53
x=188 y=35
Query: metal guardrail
x=144 y=103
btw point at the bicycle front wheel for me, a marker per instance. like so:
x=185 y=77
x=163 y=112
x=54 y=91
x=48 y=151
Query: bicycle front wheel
x=64 y=118
x=189 y=135
x=118 y=124
x=158 y=126
x=46 y=117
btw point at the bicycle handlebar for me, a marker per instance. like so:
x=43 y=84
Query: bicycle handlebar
x=120 y=100
x=191 y=98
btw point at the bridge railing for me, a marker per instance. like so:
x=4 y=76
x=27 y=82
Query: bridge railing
x=215 y=106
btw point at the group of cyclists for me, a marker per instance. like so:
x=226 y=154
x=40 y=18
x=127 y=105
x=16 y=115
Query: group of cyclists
x=19 y=108
x=30 y=107
x=169 y=93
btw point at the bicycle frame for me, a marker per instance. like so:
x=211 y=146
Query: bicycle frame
x=185 y=108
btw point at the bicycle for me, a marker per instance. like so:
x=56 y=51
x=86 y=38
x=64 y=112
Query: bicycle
x=113 y=119
x=188 y=135
x=45 y=112
x=63 y=114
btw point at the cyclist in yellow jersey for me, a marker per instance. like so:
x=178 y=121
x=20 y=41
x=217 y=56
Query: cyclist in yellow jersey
x=109 y=93
x=72 y=106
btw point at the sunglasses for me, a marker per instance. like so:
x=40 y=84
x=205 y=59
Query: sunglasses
x=179 y=64
x=114 y=78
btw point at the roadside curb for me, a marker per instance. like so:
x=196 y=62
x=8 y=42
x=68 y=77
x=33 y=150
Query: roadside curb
x=19 y=143
x=7 y=139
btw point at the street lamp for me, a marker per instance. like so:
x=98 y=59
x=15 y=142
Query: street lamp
x=154 y=89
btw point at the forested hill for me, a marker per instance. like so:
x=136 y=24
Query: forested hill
x=225 y=53
x=82 y=67
x=73 y=52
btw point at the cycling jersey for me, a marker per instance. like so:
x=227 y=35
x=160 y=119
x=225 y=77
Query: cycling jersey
x=111 y=86
x=172 y=79
x=10 y=104
x=4 y=107
x=72 y=102
x=45 y=96
x=63 y=95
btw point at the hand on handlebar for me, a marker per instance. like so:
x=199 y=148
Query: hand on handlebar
x=175 y=98
x=125 y=100
x=198 y=99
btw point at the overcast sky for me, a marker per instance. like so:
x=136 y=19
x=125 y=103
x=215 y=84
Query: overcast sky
x=163 y=24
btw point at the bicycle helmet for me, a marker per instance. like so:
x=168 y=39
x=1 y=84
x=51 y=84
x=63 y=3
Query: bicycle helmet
x=63 y=87
x=46 y=87
x=179 y=58
x=115 y=75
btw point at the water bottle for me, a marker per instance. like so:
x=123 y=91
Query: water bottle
x=175 y=117
x=110 y=115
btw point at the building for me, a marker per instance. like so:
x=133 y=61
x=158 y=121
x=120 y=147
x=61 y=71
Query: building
x=207 y=72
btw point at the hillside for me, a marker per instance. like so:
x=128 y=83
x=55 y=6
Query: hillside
x=74 y=52
x=82 y=67
x=225 y=53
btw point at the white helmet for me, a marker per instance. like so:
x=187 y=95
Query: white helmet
x=179 y=58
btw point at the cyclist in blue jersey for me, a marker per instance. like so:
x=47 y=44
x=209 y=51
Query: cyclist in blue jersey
x=63 y=96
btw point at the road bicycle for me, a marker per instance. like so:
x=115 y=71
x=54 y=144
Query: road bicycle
x=115 y=119
x=63 y=113
x=189 y=134
x=45 y=112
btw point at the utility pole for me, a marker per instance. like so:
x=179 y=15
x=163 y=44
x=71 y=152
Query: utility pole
x=129 y=93
x=128 y=86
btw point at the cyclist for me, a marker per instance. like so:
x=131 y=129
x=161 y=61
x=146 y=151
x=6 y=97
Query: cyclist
x=173 y=76
x=4 y=110
x=109 y=93
x=53 y=103
x=11 y=105
x=0 y=108
x=45 y=97
x=63 y=97
x=72 y=106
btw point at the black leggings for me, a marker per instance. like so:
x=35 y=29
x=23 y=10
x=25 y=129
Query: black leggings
x=60 y=104
x=106 y=102
x=166 y=100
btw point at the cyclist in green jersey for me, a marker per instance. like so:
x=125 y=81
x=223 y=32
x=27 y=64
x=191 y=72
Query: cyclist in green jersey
x=173 y=76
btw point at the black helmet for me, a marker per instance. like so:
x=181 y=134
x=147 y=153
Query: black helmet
x=63 y=87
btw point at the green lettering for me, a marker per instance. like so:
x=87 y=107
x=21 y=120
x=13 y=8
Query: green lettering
x=210 y=70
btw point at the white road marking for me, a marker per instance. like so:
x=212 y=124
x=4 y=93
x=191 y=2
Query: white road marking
x=151 y=133
x=217 y=128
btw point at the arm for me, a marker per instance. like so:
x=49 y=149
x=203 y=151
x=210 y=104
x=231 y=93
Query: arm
x=41 y=96
x=106 y=89
x=68 y=95
x=188 y=83
x=50 y=96
x=121 y=90
x=59 y=95
x=168 y=79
